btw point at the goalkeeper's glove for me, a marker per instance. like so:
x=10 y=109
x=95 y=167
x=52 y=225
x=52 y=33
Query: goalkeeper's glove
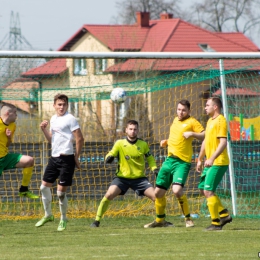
x=109 y=159
x=156 y=171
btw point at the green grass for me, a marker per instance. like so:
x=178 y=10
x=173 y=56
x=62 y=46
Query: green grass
x=125 y=238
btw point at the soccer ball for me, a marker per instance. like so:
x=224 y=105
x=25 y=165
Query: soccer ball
x=118 y=95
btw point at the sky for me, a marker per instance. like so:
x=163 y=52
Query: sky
x=47 y=24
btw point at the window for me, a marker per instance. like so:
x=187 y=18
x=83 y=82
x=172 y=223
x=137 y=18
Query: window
x=100 y=66
x=73 y=107
x=80 y=67
x=205 y=47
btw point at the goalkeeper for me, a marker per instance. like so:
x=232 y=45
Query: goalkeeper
x=131 y=153
x=14 y=160
x=176 y=168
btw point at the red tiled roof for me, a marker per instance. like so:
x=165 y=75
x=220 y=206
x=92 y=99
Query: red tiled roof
x=167 y=35
x=238 y=38
x=238 y=92
x=50 y=68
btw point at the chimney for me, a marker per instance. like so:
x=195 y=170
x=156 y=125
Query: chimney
x=143 y=19
x=165 y=16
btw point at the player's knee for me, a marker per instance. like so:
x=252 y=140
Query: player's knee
x=43 y=188
x=61 y=195
x=30 y=161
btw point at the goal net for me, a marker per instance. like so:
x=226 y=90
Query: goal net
x=153 y=85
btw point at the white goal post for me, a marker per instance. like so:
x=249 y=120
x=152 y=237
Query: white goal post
x=154 y=55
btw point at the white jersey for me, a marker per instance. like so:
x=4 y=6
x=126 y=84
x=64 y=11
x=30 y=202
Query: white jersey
x=61 y=128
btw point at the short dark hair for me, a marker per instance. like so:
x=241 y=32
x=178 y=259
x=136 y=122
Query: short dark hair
x=217 y=101
x=61 y=97
x=132 y=122
x=185 y=103
x=11 y=106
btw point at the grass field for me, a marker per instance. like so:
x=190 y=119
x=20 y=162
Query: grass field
x=125 y=238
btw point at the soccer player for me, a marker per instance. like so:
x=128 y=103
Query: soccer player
x=131 y=153
x=216 y=163
x=14 y=160
x=63 y=129
x=176 y=167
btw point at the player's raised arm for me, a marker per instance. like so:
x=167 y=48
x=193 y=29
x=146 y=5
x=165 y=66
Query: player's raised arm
x=47 y=134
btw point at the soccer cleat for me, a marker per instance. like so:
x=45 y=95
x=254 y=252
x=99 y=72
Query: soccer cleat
x=225 y=220
x=189 y=223
x=213 y=228
x=158 y=224
x=28 y=194
x=62 y=226
x=44 y=220
x=95 y=224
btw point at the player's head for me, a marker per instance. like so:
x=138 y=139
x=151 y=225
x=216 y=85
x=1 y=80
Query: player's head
x=183 y=109
x=132 y=129
x=8 y=113
x=61 y=102
x=213 y=106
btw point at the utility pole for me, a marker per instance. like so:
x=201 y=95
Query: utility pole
x=14 y=39
x=12 y=68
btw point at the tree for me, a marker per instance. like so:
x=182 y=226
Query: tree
x=128 y=9
x=227 y=16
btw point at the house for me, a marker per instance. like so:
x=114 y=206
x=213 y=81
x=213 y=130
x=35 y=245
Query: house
x=88 y=82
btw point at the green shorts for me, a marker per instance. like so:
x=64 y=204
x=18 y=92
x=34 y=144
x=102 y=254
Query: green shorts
x=173 y=170
x=211 y=177
x=9 y=161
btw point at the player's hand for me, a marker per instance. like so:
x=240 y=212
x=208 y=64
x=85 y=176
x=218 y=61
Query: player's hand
x=208 y=163
x=163 y=143
x=44 y=124
x=8 y=133
x=109 y=159
x=187 y=134
x=199 y=166
x=155 y=172
x=77 y=162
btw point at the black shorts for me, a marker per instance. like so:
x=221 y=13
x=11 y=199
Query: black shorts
x=61 y=167
x=138 y=185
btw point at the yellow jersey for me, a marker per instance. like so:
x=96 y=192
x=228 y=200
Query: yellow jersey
x=3 y=137
x=178 y=145
x=215 y=129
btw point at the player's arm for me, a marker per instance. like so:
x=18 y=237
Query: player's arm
x=221 y=147
x=9 y=135
x=201 y=156
x=79 y=144
x=199 y=136
x=47 y=134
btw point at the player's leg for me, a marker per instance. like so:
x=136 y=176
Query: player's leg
x=25 y=162
x=50 y=175
x=223 y=212
x=179 y=179
x=214 y=175
x=163 y=182
x=118 y=186
x=46 y=201
x=66 y=165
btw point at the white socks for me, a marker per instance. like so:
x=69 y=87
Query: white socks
x=63 y=203
x=46 y=200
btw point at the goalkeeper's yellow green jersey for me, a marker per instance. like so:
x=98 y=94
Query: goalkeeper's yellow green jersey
x=3 y=137
x=131 y=158
x=178 y=145
x=215 y=129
